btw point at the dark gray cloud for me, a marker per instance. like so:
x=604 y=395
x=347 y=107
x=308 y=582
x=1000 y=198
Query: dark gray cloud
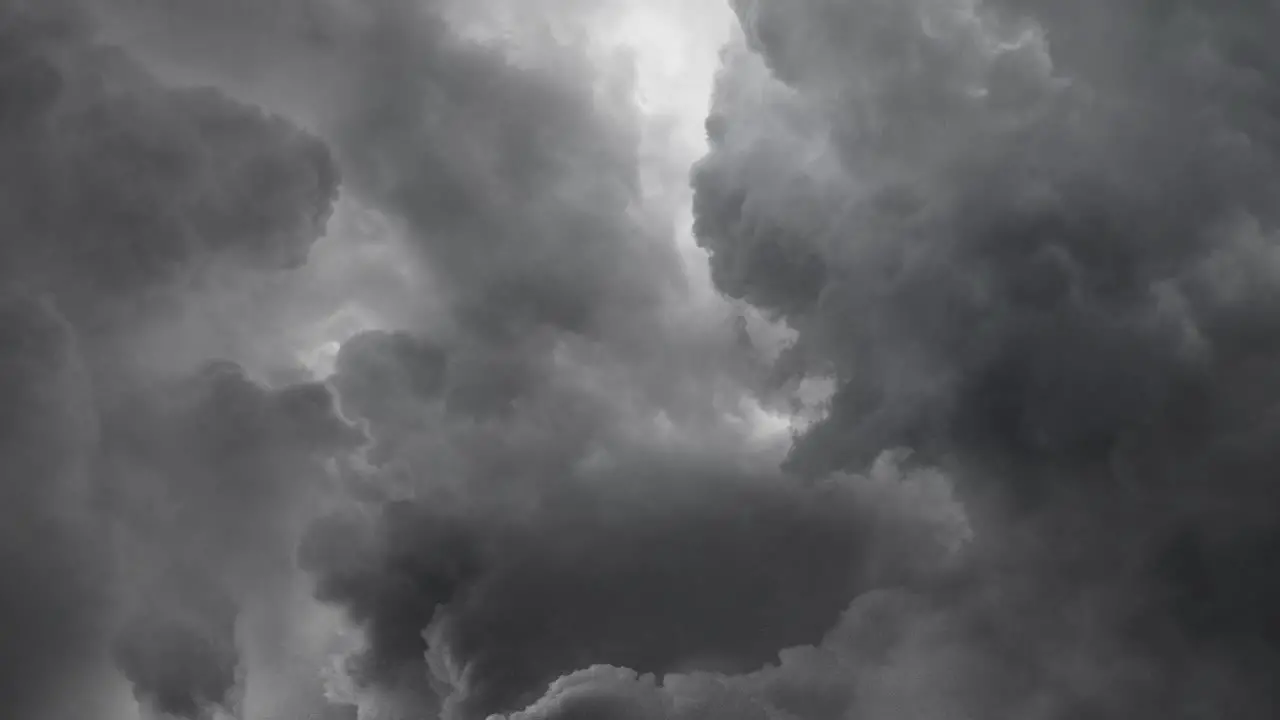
x=891 y=654
x=1033 y=242
x=51 y=613
x=390 y=380
x=1063 y=236
x=518 y=182
x=513 y=169
x=210 y=480
x=543 y=523
x=119 y=190
x=659 y=566
x=566 y=487
x=140 y=511
x=179 y=651
x=514 y=184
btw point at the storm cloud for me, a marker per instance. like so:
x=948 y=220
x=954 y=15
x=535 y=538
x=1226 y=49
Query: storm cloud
x=121 y=195
x=1030 y=242
x=555 y=478
x=659 y=566
x=119 y=189
x=538 y=472
x=211 y=481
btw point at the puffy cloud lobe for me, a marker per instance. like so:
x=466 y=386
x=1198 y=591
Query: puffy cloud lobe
x=377 y=370
x=1031 y=245
x=118 y=187
x=218 y=455
x=390 y=380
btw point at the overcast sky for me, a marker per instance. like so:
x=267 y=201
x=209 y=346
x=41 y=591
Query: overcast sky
x=639 y=359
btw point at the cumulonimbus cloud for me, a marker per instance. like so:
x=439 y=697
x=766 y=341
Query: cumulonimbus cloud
x=1029 y=245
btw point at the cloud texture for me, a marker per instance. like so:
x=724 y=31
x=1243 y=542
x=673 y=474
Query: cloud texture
x=1029 y=241
x=123 y=491
x=1029 y=246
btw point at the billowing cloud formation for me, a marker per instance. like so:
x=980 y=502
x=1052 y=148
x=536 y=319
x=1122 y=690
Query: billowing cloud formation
x=552 y=536
x=559 y=475
x=140 y=511
x=118 y=188
x=389 y=380
x=555 y=279
x=180 y=653
x=1029 y=246
x=1034 y=243
x=211 y=479
x=655 y=567
x=542 y=517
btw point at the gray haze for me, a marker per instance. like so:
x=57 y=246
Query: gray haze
x=1029 y=245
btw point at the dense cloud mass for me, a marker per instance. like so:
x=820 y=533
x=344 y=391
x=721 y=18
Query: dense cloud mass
x=538 y=472
x=1032 y=241
x=138 y=508
x=209 y=477
x=207 y=483
x=666 y=569
x=118 y=189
